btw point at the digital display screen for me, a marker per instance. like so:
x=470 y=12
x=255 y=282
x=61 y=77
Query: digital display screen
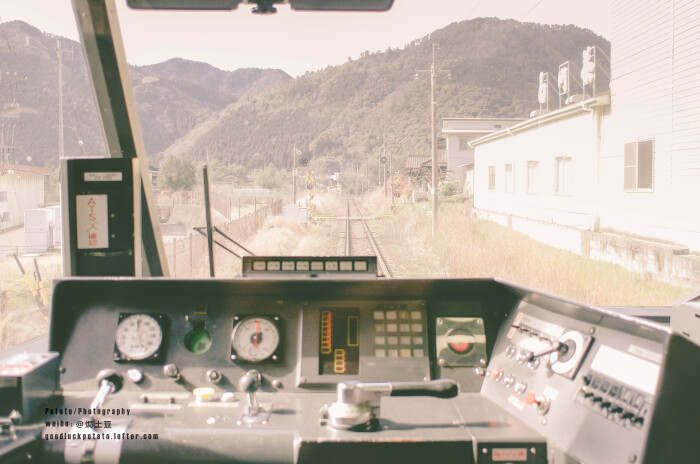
x=339 y=350
x=635 y=372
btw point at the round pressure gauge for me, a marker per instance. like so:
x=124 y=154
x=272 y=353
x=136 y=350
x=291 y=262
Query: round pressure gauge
x=255 y=339
x=138 y=337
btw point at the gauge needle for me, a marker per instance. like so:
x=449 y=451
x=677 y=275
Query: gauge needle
x=257 y=331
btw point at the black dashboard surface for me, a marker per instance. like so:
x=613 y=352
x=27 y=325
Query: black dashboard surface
x=541 y=379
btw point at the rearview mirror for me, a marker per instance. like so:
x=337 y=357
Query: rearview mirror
x=302 y=5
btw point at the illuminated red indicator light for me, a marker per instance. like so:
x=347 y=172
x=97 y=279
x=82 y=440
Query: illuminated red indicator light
x=460 y=342
x=460 y=347
x=326 y=331
x=531 y=398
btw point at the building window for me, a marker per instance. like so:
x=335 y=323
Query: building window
x=562 y=183
x=497 y=126
x=492 y=178
x=510 y=180
x=532 y=176
x=639 y=165
x=463 y=143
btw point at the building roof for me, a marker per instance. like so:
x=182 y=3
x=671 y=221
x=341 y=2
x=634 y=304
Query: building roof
x=422 y=161
x=482 y=119
x=600 y=100
x=24 y=168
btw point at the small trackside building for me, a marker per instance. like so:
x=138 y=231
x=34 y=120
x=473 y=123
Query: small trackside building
x=458 y=132
x=21 y=189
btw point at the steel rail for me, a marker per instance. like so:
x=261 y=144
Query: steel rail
x=381 y=262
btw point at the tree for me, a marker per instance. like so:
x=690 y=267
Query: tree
x=269 y=177
x=176 y=174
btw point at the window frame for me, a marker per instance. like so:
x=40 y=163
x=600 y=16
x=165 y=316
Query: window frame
x=634 y=166
x=566 y=190
x=532 y=187
x=509 y=186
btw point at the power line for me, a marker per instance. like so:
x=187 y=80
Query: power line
x=9 y=47
x=531 y=9
x=474 y=9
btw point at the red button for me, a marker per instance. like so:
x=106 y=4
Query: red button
x=460 y=347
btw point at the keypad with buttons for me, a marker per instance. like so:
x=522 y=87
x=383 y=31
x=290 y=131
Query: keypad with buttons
x=399 y=331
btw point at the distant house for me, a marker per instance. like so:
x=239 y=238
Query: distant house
x=21 y=189
x=235 y=180
x=420 y=166
x=616 y=176
x=458 y=133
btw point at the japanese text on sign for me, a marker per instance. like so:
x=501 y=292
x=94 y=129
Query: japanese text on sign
x=91 y=221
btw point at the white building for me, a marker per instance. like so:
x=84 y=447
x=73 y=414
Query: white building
x=617 y=176
x=458 y=132
x=21 y=189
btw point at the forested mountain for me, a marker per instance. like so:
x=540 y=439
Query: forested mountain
x=252 y=117
x=338 y=115
x=172 y=97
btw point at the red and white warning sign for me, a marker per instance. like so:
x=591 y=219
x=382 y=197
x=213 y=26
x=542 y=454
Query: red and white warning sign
x=91 y=221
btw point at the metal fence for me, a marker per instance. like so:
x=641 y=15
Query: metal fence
x=188 y=257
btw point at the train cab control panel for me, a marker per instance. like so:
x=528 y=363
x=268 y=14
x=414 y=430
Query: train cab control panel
x=312 y=371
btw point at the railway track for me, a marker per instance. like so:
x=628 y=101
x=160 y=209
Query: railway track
x=363 y=243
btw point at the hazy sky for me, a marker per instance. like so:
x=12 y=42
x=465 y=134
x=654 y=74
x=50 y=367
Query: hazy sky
x=293 y=41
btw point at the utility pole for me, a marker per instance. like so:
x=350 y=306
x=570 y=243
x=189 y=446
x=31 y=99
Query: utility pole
x=294 y=177
x=59 y=51
x=383 y=160
x=391 y=178
x=9 y=116
x=367 y=169
x=433 y=136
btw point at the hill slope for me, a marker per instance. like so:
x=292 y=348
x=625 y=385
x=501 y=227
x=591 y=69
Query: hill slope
x=339 y=114
x=171 y=99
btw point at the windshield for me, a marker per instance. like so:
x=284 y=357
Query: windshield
x=538 y=142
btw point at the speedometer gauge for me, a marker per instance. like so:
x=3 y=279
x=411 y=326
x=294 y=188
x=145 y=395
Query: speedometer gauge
x=255 y=339
x=138 y=337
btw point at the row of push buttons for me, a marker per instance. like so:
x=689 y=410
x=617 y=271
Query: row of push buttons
x=540 y=403
x=344 y=266
x=399 y=353
x=398 y=328
x=397 y=315
x=393 y=340
x=509 y=380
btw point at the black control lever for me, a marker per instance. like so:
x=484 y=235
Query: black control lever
x=562 y=348
x=357 y=406
x=249 y=384
x=445 y=388
x=109 y=381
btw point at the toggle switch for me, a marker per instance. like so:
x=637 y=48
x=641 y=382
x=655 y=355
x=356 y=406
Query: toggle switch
x=541 y=403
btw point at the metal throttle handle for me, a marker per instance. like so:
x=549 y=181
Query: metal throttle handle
x=358 y=403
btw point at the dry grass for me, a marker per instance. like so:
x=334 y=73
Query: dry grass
x=284 y=237
x=24 y=319
x=470 y=247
